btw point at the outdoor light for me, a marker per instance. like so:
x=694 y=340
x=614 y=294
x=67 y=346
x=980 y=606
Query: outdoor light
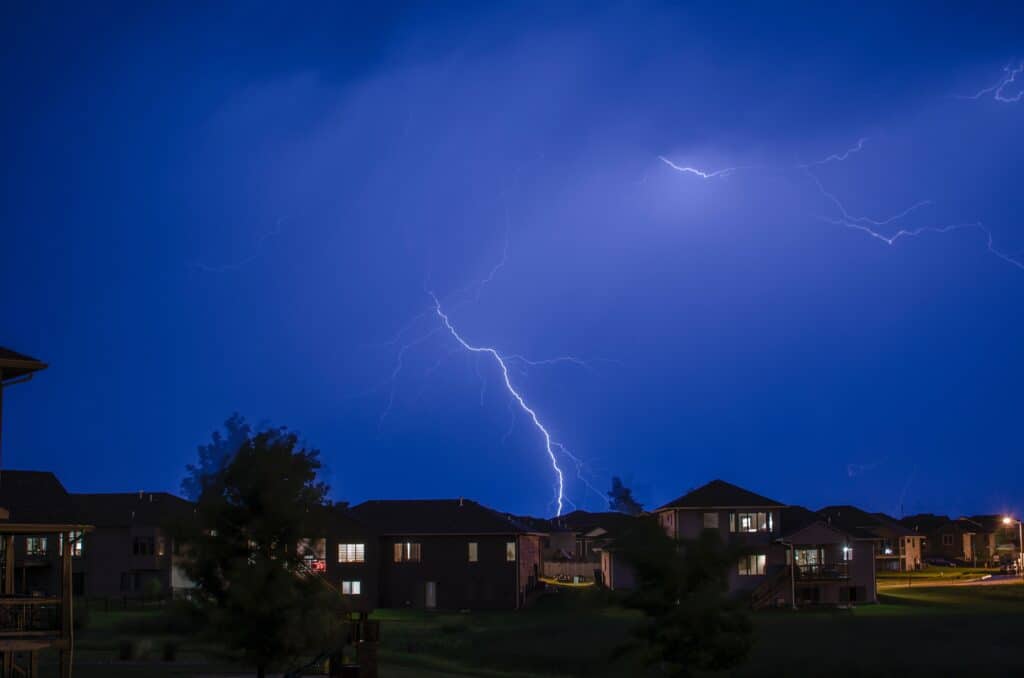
x=888 y=550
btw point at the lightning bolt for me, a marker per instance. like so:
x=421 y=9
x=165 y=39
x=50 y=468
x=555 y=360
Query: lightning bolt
x=549 y=445
x=698 y=172
x=837 y=157
x=1010 y=73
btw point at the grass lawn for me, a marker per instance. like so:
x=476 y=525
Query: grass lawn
x=920 y=631
x=933 y=573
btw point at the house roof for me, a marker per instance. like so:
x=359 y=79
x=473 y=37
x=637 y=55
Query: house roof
x=988 y=523
x=851 y=517
x=924 y=522
x=797 y=518
x=121 y=509
x=35 y=497
x=14 y=364
x=720 y=494
x=435 y=516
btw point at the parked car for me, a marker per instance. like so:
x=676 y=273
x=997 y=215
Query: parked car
x=1009 y=568
x=939 y=562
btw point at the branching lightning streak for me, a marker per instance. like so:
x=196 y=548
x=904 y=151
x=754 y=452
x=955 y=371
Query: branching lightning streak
x=1009 y=77
x=242 y=263
x=697 y=172
x=549 y=444
x=837 y=157
x=872 y=226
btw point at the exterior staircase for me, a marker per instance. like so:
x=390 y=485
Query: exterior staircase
x=773 y=590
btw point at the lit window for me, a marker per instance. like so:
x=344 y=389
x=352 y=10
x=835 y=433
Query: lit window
x=474 y=549
x=848 y=553
x=752 y=565
x=161 y=546
x=75 y=538
x=711 y=521
x=510 y=551
x=35 y=546
x=351 y=588
x=751 y=522
x=351 y=553
x=407 y=552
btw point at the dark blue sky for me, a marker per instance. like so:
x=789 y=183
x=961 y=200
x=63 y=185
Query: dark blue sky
x=242 y=207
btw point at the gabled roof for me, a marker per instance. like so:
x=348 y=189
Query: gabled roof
x=435 y=517
x=851 y=517
x=35 y=497
x=796 y=518
x=122 y=509
x=720 y=494
x=14 y=364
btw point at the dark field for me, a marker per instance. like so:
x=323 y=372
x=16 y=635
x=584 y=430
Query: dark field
x=961 y=630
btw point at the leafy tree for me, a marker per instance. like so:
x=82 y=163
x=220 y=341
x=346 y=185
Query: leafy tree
x=214 y=455
x=247 y=555
x=690 y=624
x=621 y=499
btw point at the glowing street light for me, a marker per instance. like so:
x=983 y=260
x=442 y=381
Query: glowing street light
x=1007 y=520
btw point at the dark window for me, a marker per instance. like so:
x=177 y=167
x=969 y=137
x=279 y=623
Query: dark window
x=143 y=546
x=947 y=540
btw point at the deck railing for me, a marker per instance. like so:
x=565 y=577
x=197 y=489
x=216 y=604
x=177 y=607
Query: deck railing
x=29 y=616
x=569 y=569
x=840 y=570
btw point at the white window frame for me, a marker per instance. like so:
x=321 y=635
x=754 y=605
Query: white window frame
x=352 y=587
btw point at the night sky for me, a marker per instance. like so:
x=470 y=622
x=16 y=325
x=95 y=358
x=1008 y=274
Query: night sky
x=245 y=207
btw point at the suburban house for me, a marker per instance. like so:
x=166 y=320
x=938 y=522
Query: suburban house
x=959 y=540
x=451 y=554
x=37 y=546
x=740 y=517
x=131 y=550
x=790 y=554
x=899 y=549
x=815 y=561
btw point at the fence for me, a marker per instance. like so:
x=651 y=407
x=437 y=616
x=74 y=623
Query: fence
x=568 y=570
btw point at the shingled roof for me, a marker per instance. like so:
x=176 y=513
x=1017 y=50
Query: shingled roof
x=796 y=518
x=35 y=497
x=14 y=364
x=851 y=517
x=123 y=509
x=435 y=516
x=585 y=521
x=720 y=494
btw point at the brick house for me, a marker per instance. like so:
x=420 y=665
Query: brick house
x=451 y=554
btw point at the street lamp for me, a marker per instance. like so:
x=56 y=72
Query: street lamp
x=1007 y=520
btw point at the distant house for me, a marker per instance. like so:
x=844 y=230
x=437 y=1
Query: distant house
x=958 y=540
x=591 y=538
x=899 y=548
x=132 y=551
x=789 y=553
x=451 y=554
x=993 y=534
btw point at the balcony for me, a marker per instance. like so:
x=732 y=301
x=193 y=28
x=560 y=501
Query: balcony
x=823 y=571
x=29 y=616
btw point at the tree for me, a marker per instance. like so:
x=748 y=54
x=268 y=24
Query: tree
x=247 y=554
x=690 y=624
x=215 y=455
x=621 y=499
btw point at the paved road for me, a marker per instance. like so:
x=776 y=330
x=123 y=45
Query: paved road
x=994 y=580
